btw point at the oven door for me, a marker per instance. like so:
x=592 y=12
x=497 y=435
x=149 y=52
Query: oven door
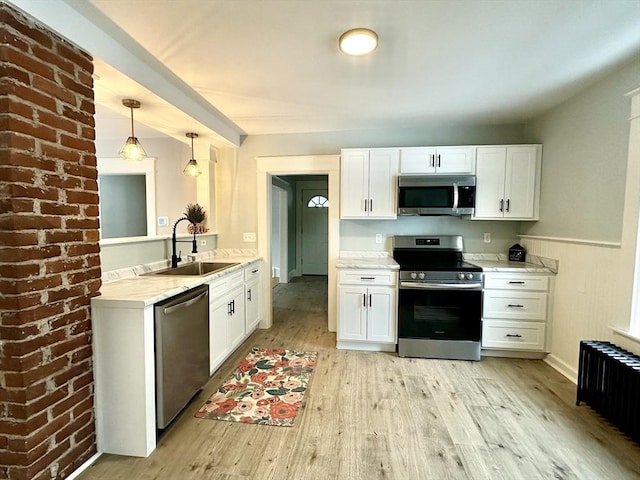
x=440 y=311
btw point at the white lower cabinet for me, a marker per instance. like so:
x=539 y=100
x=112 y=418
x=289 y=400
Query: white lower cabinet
x=226 y=317
x=252 y=297
x=515 y=311
x=123 y=330
x=367 y=310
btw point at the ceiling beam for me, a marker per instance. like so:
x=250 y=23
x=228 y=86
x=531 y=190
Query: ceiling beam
x=87 y=27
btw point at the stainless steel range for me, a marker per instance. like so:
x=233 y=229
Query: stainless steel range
x=440 y=299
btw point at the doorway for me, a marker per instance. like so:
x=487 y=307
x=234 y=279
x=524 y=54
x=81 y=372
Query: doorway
x=267 y=167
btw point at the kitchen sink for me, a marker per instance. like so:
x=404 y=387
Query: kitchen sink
x=194 y=269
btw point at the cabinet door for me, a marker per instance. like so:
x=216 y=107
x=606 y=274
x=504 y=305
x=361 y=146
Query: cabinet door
x=218 y=346
x=520 y=181
x=252 y=305
x=455 y=160
x=383 y=183
x=381 y=320
x=490 y=177
x=354 y=181
x=236 y=319
x=417 y=160
x=352 y=318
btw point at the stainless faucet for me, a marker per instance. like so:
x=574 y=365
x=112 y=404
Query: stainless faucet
x=175 y=257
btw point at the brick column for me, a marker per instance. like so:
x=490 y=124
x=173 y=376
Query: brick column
x=49 y=251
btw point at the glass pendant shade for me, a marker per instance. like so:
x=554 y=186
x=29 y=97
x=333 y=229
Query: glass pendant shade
x=132 y=150
x=192 y=169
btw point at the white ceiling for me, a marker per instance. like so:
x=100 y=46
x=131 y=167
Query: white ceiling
x=273 y=66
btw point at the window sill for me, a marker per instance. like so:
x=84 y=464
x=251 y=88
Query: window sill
x=626 y=334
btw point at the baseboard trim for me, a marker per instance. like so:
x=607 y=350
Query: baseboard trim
x=77 y=472
x=562 y=367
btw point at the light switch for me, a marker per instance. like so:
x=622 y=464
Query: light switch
x=249 y=237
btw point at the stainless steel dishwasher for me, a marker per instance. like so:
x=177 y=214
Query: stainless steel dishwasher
x=181 y=351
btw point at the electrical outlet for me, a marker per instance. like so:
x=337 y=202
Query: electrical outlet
x=487 y=237
x=378 y=238
x=163 y=221
x=249 y=237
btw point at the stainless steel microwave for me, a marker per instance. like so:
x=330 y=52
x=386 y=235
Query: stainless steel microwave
x=436 y=194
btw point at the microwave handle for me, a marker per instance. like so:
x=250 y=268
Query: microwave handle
x=456 y=196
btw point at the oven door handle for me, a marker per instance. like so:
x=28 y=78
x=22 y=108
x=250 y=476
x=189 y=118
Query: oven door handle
x=441 y=286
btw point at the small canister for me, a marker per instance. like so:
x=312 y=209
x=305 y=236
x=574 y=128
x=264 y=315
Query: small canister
x=517 y=253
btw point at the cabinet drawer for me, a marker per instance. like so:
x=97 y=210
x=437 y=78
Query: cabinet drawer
x=516 y=281
x=513 y=335
x=368 y=277
x=252 y=271
x=235 y=280
x=514 y=305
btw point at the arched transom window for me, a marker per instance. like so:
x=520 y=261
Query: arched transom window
x=318 y=201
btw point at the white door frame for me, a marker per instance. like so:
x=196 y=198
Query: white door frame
x=299 y=165
x=300 y=186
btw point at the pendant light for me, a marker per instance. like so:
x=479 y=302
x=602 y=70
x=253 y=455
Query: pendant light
x=132 y=150
x=358 y=41
x=192 y=169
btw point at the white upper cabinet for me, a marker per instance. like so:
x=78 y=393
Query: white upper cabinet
x=424 y=160
x=369 y=183
x=508 y=182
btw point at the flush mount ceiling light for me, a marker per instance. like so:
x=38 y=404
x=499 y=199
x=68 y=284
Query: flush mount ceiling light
x=132 y=150
x=192 y=169
x=358 y=41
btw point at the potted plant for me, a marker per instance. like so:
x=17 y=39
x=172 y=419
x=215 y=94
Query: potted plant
x=196 y=216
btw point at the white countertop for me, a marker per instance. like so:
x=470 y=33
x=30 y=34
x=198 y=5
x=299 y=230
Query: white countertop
x=507 y=266
x=367 y=260
x=143 y=290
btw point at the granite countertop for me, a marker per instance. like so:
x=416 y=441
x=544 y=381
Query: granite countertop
x=137 y=290
x=507 y=266
x=367 y=260
x=499 y=263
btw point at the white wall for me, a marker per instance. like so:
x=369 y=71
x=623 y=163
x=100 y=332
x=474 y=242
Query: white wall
x=591 y=211
x=585 y=160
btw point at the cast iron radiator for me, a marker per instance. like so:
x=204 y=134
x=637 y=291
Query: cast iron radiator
x=609 y=382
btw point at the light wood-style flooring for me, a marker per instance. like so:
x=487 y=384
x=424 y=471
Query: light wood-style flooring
x=378 y=416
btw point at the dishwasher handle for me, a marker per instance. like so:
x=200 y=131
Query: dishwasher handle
x=188 y=303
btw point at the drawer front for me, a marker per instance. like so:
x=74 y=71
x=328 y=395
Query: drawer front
x=235 y=280
x=252 y=271
x=516 y=281
x=368 y=277
x=514 y=305
x=513 y=335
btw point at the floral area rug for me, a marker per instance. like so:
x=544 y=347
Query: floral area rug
x=267 y=388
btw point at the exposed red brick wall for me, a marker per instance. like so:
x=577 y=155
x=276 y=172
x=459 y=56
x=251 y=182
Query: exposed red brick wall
x=49 y=252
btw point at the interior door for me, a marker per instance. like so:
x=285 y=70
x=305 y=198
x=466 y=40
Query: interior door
x=314 y=205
